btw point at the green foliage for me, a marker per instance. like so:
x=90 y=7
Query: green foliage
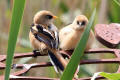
x=14 y=29
x=68 y=74
x=111 y=76
x=116 y=1
x=113 y=11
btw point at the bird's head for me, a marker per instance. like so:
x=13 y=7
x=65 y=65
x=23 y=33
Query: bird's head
x=44 y=17
x=80 y=22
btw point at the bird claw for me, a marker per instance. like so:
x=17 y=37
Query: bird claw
x=35 y=53
x=14 y=66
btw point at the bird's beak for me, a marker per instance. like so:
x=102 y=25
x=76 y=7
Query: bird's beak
x=54 y=17
x=80 y=23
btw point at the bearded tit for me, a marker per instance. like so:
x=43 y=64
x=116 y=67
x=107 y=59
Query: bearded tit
x=44 y=38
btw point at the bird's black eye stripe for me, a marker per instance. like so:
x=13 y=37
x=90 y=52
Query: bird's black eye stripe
x=78 y=22
x=83 y=23
x=49 y=16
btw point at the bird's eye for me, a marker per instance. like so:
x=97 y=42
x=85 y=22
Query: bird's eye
x=49 y=16
x=83 y=23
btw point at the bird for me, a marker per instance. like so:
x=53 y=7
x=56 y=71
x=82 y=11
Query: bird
x=44 y=38
x=44 y=18
x=70 y=35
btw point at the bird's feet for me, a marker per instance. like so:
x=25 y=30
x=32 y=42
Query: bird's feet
x=14 y=66
x=35 y=53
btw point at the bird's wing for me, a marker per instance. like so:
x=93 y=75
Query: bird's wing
x=64 y=32
x=41 y=38
x=56 y=39
x=55 y=34
x=43 y=35
x=46 y=37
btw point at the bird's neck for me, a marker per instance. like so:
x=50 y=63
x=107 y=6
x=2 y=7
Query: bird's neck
x=82 y=29
x=47 y=24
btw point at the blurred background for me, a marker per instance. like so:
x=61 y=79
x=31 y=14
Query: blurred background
x=107 y=12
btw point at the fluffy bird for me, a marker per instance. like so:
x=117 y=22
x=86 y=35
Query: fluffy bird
x=45 y=18
x=70 y=35
x=45 y=39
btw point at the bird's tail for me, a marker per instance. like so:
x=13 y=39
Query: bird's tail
x=55 y=62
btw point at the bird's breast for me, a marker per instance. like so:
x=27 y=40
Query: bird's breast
x=35 y=43
x=70 y=40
